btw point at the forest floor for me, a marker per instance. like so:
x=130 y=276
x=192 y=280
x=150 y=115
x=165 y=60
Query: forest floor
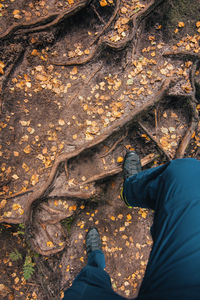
x=81 y=83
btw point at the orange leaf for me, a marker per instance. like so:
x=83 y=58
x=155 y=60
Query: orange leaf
x=103 y=3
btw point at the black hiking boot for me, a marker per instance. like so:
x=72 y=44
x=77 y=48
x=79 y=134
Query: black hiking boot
x=93 y=240
x=132 y=164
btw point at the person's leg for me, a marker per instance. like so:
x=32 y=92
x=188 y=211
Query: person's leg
x=97 y=259
x=92 y=283
x=173 y=191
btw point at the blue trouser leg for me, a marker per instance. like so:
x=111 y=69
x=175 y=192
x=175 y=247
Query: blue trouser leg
x=173 y=191
x=92 y=283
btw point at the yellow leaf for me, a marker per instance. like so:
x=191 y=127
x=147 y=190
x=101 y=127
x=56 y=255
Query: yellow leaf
x=72 y=207
x=1 y=70
x=25 y=167
x=53 y=148
x=30 y=130
x=61 y=122
x=112 y=218
x=7 y=214
x=70 y=2
x=120 y=216
x=74 y=71
x=27 y=149
x=16 y=206
x=41 y=77
x=181 y=24
x=104 y=238
x=129 y=217
x=15 y=12
x=124 y=237
x=34 y=179
x=198 y=24
x=74 y=136
x=121 y=228
x=120 y=159
x=50 y=244
x=3 y=203
x=87 y=51
x=144 y=215
x=100 y=111
x=103 y=3
x=20 y=211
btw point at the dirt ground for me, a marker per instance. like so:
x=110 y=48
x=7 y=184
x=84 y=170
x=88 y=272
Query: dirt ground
x=81 y=83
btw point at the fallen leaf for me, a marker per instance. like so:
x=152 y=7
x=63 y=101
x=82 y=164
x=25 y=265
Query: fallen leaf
x=16 y=206
x=103 y=3
x=61 y=122
x=27 y=149
x=34 y=179
x=14 y=176
x=74 y=71
x=198 y=24
x=50 y=244
x=129 y=217
x=120 y=159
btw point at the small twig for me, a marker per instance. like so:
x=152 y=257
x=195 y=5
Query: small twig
x=95 y=72
x=103 y=175
x=156 y=119
x=18 y=194
x=159 y=146
x=66 y=170
x=98 y=15
x=115 y=144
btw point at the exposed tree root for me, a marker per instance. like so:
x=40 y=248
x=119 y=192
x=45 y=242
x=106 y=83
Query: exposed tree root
x=144 y=161
x=182 y=55
x=159 y=146
x=194 y=118
x=186 y=140
x=103 y=42
x=44 y=22
x=140 y=17
x=108 y=23
x=9 y=72
x=40 y=190
x=98 y=15
x=147 y=10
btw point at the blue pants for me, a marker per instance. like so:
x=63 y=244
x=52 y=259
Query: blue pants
x=173 y=270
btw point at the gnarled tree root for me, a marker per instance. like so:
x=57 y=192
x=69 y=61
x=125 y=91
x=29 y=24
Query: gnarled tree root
x=104 y=42
x=44 y=22
x=194 y=117
x=42 y=189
